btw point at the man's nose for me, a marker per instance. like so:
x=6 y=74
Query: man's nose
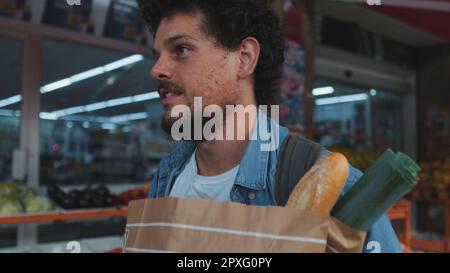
x=160 y=70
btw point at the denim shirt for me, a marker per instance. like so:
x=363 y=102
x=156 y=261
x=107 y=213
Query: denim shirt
x=255 y=184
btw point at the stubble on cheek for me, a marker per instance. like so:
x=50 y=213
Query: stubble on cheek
x=217 y=85
x=212 y=82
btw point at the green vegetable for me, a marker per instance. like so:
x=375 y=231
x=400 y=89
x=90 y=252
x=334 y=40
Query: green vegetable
x=16 y=199
x=35 y=204
x=9 y=188
x=390 y=178
x=9 y=205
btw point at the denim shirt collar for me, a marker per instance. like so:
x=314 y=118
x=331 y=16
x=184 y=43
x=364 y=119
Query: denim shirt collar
x=253 y=169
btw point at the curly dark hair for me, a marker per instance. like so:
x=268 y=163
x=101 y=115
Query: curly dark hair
x=230 y=22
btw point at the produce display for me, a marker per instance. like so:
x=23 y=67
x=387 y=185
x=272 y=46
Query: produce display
x=88 y=197
x=435 y=173
x=17 y=199
x=134 y=194
x=434 y=180
x=94 y=197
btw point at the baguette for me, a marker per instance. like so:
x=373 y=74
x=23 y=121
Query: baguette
x=319 y=189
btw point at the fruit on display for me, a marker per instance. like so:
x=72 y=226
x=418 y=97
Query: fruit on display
x=435 y=173
x=434 y=180
x=8 y=188
x=147 y=188
x=88 y=197
x=9 y=205
x=36 y=204
x=133 y=194
x=16 y=199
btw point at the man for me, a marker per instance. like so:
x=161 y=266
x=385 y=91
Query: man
x=226 y=53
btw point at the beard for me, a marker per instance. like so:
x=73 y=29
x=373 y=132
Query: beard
x=167 y=122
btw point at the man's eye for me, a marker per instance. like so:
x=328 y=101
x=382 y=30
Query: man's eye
x=181 y=49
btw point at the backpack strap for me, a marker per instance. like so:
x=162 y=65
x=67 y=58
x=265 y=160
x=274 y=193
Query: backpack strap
x=297 y=156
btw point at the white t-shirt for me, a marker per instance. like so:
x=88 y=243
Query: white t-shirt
x=189 y=184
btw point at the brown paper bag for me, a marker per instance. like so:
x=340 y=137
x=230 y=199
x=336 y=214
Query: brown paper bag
x=204 y=226
x=343 y=239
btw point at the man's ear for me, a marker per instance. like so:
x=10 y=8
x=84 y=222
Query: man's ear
x=249 y=52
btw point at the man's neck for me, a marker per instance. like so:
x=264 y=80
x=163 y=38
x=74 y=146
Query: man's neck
x=219 y=156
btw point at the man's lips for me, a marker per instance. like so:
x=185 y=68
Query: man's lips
x=168 y=95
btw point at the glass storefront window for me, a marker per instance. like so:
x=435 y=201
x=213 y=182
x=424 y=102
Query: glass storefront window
x=342 y=116
x=387 y=119
x=360 y=123
x=10 y=96
x=99 y=116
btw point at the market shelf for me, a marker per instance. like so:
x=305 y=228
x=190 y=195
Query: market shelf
x=63 y=215
x=430 y=245
x=436 y=245
x=402 y=211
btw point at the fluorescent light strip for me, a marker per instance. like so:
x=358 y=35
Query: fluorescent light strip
x=342 y=99
x=323 y=91
x=48 y=116
x=119 y=101
x=95 y=106
x=109 y=122
x=138 y=116
x=119 y=119
x=83 y=118
x=106 y=104
x=129 y=117
x=69 y=111
x=10 y=100
x=10 y=113
x=123 y=62
x=87 y=74
x=91 y=73
x=109 y=126
x=56 y=85
x=77 y=78
x=146 y=96
x=6 y=113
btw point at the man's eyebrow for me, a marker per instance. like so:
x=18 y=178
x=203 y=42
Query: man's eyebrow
x=172 y=40
x=175 y=38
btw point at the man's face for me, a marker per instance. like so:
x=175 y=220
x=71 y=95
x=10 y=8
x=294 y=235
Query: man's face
x=191 y=64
